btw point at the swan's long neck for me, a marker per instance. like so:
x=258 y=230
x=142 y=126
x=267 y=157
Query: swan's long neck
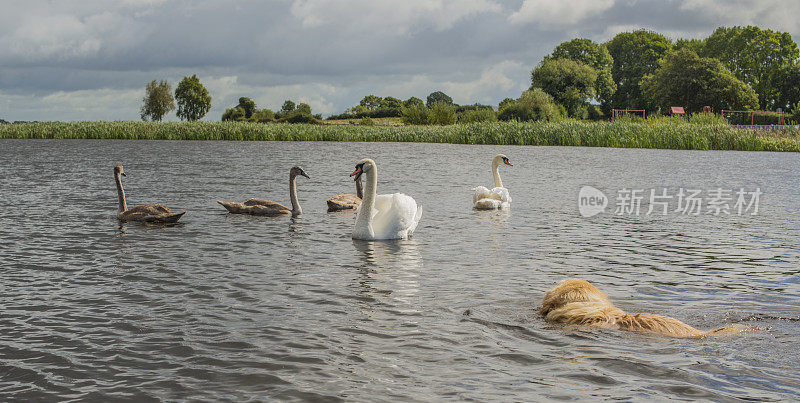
x=296 y=210
x=359 y=190
x=120 y=193
x=498 y=183
x=368 y=201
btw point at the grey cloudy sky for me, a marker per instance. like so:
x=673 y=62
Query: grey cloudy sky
x=90 y=60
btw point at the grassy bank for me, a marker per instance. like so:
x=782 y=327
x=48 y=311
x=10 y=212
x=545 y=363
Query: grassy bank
x=631 y=134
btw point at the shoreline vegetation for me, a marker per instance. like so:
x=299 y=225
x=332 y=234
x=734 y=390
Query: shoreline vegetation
x=665 y=133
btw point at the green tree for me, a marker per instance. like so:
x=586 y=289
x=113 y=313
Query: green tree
x=371 y=102
x=248 y=106
x=755 y=56
x=505 y=102
x=685 y=79
x=788 y=85
x=157 y=101
x=569 y=82
x=532 y=105
x=584 y=51
x=442 y=113
x=193 y=99
x=695 y=45
x=795 y=113
x=635 y=55
x=415 y=114
x=595 y=56
x=263 y=116
x=357 y=110
x=391 y=103
x=477 y=115
x=436 y=97
x=287 y=107
x=413 y=102
x=304 y=108
x=299 y=115
x=233 y=114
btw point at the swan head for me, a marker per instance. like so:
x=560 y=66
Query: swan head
x=501 y=158
x=297 y=170
x=362 y=166
x=118 y=170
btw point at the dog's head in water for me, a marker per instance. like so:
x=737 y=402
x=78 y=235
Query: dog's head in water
x=576 y=302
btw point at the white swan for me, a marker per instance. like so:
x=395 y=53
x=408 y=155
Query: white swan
x=390 y=216
x=497 y=198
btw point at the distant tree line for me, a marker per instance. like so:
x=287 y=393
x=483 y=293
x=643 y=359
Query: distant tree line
x=738 y=68
x=290 y=112
x=16 y=122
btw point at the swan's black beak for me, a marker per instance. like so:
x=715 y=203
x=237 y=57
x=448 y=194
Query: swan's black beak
x=305 y=174
x=123 y=174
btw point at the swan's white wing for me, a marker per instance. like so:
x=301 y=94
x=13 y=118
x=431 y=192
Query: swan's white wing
x=417 y=217
x=485 y=199
x=480 y=191
x=395 y=216
x=503 y=193
x=383 y=203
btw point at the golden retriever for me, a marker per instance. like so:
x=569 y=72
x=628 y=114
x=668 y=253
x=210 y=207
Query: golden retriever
x=576 y=302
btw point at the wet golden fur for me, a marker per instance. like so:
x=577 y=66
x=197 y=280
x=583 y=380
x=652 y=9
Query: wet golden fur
x=576 y=302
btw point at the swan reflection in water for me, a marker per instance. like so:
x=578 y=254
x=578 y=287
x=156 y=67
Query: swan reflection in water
x=297 y=237
x=494 y=222
x=391 y=268
x=496 y=218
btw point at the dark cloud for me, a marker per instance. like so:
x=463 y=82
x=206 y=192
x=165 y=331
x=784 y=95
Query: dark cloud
x=56 y=55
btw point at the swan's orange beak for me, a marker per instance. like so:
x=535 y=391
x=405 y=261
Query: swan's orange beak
x=507 y=163
x=357 y=171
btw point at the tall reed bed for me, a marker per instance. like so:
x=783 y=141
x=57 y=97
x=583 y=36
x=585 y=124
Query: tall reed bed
x=664 y=133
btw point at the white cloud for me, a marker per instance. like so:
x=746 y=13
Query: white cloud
x=505 y=79
x=388 y=16
x=226 y=91
x=774 y=14
x=72 y=105
x=550 y=13
x=612 y=31
x=328 y=53
x=63 y=36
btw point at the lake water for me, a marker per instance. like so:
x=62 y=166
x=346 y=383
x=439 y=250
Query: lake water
x=231 y=307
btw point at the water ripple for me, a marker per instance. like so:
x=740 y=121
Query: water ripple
x=229 y=308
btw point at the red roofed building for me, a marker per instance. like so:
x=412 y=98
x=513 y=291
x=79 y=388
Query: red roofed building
x=676 y=110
